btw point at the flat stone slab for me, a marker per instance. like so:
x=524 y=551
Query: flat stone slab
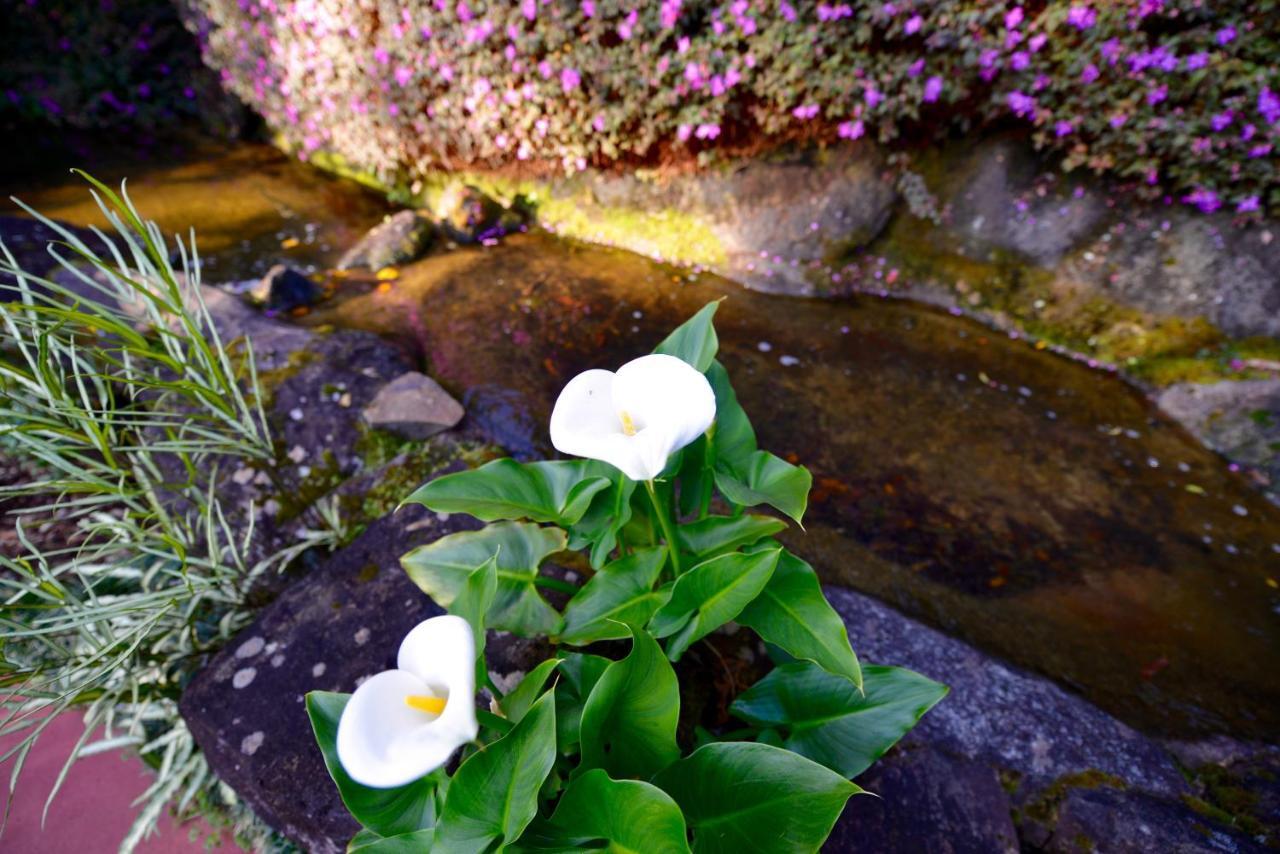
x=413 y=406
x=1002 y=716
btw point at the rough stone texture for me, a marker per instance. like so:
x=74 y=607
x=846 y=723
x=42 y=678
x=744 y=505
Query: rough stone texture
x=284 y=289
x=803 y=207
x=927 y=801
x=467 y=215
x=501 y=415
x=400 y=238
x=1111 y=821
x=998 y=205
x=344 y=621
x=274 y=343
x=413 y=406
x=1240 y=419
x=1001 y=716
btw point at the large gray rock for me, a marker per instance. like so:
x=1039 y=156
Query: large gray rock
x=413 y=406
x=1001 y=716
x=927 y=801
x=1003 y=198
x=343 y=622
x=400 y=238
x=1111 y=821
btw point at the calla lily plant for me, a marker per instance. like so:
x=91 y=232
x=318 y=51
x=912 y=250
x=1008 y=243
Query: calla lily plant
x=583 y=752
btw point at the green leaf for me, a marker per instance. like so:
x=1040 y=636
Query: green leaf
x=619 y=595
x=516 y=704
x=767 y=479
x=741 y=797
x=597 y=813
x=579 y=673
x=387 y=812
x=366 y=842
x=791 y=612
x=557 y=491
x=735 y=440
x=494 y=794
x=826 y=718
x=629 y=720
x=695 y=340
x=609 y=513
x=710 y=595
x=716 y=535
x=473 y=603
x=441 y=569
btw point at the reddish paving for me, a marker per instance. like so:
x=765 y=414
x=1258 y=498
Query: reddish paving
x=94 y=809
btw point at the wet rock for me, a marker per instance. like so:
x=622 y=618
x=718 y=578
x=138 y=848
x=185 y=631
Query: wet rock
x=467 y=215
x=502 y=416
x=927 y=801
x=342 y=623
x=413 y=406
x=284 y=289
x=1125 y=822
x=998 y=715
x=1238 y=418
x=1007 y=200
x=400 y=238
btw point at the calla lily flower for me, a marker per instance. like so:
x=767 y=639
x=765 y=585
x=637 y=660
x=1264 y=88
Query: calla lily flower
x=402 y=724
x=636 y=418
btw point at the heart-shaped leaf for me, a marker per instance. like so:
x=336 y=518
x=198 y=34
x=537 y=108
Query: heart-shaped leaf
x=743 y=797
x=715 y=535
x=521 y=698
x=629 y=720
x=792 y=613
x=766 y=479
x=734 y=439
x=386 y=812
x=695 y=340
x=494 y=794
x=557 y=491
x=619 y=595
x=826 y=718
x=710 y=595
x=613 y=815
x=441 y=569
x=579 y=673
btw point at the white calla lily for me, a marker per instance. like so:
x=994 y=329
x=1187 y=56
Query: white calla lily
x=636 y=418
x=402 y=724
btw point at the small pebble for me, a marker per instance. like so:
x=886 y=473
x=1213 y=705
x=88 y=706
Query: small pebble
x=243 y=677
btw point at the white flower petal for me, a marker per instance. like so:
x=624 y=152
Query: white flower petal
x=382 y=741
x=661 y=390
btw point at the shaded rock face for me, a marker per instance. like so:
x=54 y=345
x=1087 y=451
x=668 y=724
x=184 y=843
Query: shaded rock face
x=274 y=343
x=342 y=623
x=467 y=215
x=1109 y=820
x=413 y=406
x=400 y=238
x=284 y=289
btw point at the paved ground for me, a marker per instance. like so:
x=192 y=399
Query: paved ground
x=94 y=808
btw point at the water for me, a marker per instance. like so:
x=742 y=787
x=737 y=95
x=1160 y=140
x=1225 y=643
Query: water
x=1040 y=510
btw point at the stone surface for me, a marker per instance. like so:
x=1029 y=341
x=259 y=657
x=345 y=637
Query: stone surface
x=400 y=238
x=1000 y=716
x=1004 y=199
x=927 y=801
x=1111 y=821
x=413 y=406
x=1240 y=419
x=274 y=343
x=341 y=623
x=284 y=289
x=466 y=215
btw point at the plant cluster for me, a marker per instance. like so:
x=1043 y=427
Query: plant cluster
x=589 y=750
x=118 y=391
x=1176 y=96
x=101 y=64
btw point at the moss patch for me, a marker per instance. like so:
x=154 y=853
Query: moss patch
x=1044 y=809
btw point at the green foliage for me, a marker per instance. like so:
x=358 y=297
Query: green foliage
x=594 y=758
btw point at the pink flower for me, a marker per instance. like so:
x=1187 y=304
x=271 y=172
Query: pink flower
x=588 y=9
x=404 y=75
x=916 y=68
x=628 y=25
x=1082 y=17
x=1248 y=205
x=1221 y=120
x=1226 y=35
x=569 y=79
x=669 y=13
x=707 y=131
x=1089 y=74
x=1037 y=41
x=932 y=89
x=913 y=25
x=1063 y=128
x=1013 y=18
x=1118 y=120
x=1022 y=104
x=872 y=97
x=530 y=9
x=850 y=130
x=1019 y=61
x=805 y=112
x=788 y=11
x=598 y=123
x=683 y=132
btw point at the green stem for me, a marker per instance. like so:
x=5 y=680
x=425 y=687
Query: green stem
x=556 y=584
x=664 y=521
x=708 y=472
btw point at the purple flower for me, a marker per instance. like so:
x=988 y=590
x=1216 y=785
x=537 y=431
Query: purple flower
x=788 y=11
x=1089 y=74
x=1269 y=105
x=1206 y=200
x=1197 y=61
x=873 y=97
x=1022 y=104
x=805 y=112
x=588 y=9
x=1019 y=61
x=1221 y=120
x=850 y=130
x=1158 y=94
x=683 y=132
x=932 y=89
x=1226 y=35
x=707 y=131
x=913 y=25
x=1248 y=205
x=570 y=79
x=1037 y=41
x=529 y=8
x=916 y=68
x=669 y=13
x=1260 y=150
x=1111 y=49
x=1063 y=128
x=1082 y=17
x=1013 y=18
x=1118 y=120
x=404 y=75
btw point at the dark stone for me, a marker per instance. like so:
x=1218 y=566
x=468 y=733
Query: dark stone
x=28 y=240
x=927 y=801
x=469 y=216
x=502 y=416
x=1001 y=716
x=284 y=289
x=342 y=622
x=413 y=406
x=399 y=239
x=1125 y=822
